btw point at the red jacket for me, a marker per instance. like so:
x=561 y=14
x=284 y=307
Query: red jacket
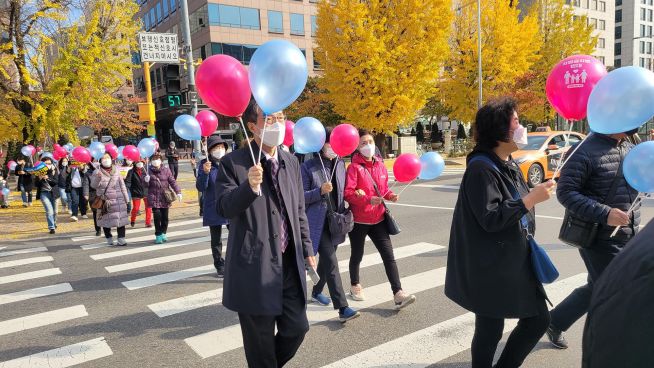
x=357 y=178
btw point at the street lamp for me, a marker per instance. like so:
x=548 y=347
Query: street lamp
x=479 y=71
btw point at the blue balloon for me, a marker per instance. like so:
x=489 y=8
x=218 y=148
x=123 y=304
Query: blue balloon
x=622 y=100
x=69 y=147
x=187 y=127
x=278 y=75
x=97 y=150
x=147 y=147
x=308 y=135
x=432 y=166
x=637 y=167
x=5 y=192
x=47 y=154
x=120 y=153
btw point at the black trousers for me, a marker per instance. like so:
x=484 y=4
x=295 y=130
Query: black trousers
x=160 y=220
x=264 y=349
x=107 y=232
x=329 y=272
x=572 y=308
x=174 y=168
x=382 y=240
x=217 y=244
x=489 y=330
x=95 y=219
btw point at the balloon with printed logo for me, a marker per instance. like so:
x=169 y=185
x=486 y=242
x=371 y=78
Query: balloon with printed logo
x=288 y=136
x=637 y=167
x=112 y=150
x=431 y=166
x=406 y=167
x=187 y=127
x=208 y=122
x=278 y=75
x=11 y=165
x=147 y=147
x=308 y=135
x=622 y=101
x=344 y=139
x=130 y=152
x=222 y=83
x=570 y=84
x=82 y=154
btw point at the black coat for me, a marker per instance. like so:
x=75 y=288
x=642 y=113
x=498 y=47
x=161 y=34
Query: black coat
x=488 y=266
x=619 y=327
x=62 y=176
x=135 y=184
x=585 y=181
x=24 y=179
x=253 y=267
x=48 y=183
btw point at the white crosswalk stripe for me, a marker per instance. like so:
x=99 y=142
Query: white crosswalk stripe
x=66 y=356
x=159 y=247
x=169 y=277
x=157 y=261
x=130 y=231
x=42 y=319
x=26 y=261
x=35 y=293
x=29 y=275
x=23 y=251
x=149 y=237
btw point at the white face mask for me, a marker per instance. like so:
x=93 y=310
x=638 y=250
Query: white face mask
x=156 y=163
x=64 y=164
x=139 y=165
x=128 y=162
x=520 y=136
x=106 y=163
x=273 y=135
x=368 y=150
x=329 y=153
x=218 y=153
x=49 y=166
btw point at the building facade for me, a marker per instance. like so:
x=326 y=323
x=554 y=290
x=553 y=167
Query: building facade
x=600 y=14
x=633 y=33
x=231 y=27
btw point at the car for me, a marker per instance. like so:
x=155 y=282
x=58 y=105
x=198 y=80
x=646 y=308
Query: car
x=540 y=158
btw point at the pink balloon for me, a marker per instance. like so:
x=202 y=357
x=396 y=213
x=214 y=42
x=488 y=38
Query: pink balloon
x=11 y=165
x=288 y=136
x=223 y=85
x=59 y=153
x=570 y=83
x=55 y=147
x=208 y=122
x=406 y=168
x=32 y=149
x=111 y=149
x=130 y=152
x=81 y=154
x=344 y=139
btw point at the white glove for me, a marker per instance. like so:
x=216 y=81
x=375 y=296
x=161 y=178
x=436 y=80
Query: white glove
x=147 y=178
x=179 y=197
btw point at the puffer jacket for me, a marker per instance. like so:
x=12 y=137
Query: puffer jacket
x=135 y=184
x=357 y=178
x=156 y=187
x=111 y=185
x=206 y=184
x=586 y=180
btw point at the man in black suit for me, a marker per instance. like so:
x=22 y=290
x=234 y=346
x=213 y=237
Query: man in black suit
x=268 y=245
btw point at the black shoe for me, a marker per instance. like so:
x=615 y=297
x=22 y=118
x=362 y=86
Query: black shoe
x=221 y=269
x=557 y=338
x=132 y=223
x=97 y=233
x=52 y=231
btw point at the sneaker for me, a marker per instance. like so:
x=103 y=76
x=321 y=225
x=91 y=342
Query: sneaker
x=220 y=271
x=85 y=217
x=132 y=224
x=347 y=314
x=320 y=298
x=74 y=218
x=24 y=204
x=148 y=225
x=97 y=233
x=557 y=338
x=70 y=212
x=356 y=293
x=158 y=240
x=52 y=231
x=164 y=238
x=110 y=241
x=29 y=204
x=122 y=242
x=403 y=299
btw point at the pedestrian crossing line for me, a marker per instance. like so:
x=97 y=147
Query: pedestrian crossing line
x=212 y=297
x=23 y=251
x=157 y=261
x=433 y=344
x=42 y=319
x=29 y=275
x=131 y=231
x=168 y=277
x=146 y=249
x=148 y=237
x=20 y=296
x=229 y=338
x=26 y=261
x=66 y=356
x=1 y=248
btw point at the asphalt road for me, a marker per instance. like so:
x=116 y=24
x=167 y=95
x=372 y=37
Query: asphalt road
x=73 y=302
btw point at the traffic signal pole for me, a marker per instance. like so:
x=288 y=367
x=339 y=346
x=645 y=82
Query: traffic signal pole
x=148 y=99
x=188 y=51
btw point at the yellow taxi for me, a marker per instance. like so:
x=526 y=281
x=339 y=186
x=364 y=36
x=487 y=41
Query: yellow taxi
x=539 y=159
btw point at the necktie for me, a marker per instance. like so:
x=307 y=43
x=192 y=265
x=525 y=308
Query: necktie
x=283 y=237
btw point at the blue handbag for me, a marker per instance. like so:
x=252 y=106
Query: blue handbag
x=541 y=263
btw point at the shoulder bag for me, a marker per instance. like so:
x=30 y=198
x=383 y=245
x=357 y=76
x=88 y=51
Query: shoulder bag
x=169 y=195
x=339 y=223
x=544 y=269
x=392 y=226
x=100 y=201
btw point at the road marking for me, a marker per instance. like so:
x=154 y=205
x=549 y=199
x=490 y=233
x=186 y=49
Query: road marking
x=66 y=356
x=147 y=238
x=157 y=261
x=169 y=277
x=35 y=293
x=29 y=275
x=452 y=209
x=1 y=248
x=26 y=261
x=142 y=230
x=42 y=319
x=433 y=344
x=23 y=251
x=146 y=249
x=229 y=338
x=213 y=297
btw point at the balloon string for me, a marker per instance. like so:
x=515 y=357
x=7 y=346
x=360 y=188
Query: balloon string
x=558 y=170
x=403 y=189
x=263 y=134
x=391 y=188
x=334 y=168
x=324 y=170
x=248 y=140
x=638 y=200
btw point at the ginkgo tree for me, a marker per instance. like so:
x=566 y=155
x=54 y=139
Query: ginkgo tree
x=381 y=58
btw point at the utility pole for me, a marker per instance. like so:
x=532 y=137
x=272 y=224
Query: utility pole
x=188 y=51
x=146 y=109
x=480 y=103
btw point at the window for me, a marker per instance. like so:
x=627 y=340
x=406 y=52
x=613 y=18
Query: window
x=618 y=32
x=642 y=47
x=649 y=31
x=558 y=140
x=159 y=17
x=602 y=24
x=642 y=62
x=242 y=53
x=617 y=49
x=593 y=5
x=198 y=19
x=573 y=139
x=602 y=6
x=173 y=6
x=275 y=22
x=314 y=25
x=592 y=22
x=649 y=48
x=601 y=43
x=233 y=16
x=618 y=16
x=649 y=15
x=643 y=1
x=618 y=2
x=576 y=3
x=643 y=28
x=601 y=58
x=297 y=24
x=618 y=63
x=146 y=22
x=643 y=14
x=165 y=9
